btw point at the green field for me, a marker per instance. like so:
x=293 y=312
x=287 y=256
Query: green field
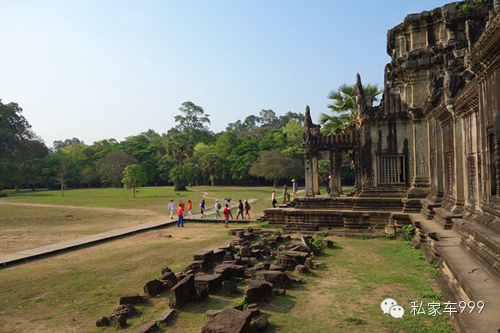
x=69 y=291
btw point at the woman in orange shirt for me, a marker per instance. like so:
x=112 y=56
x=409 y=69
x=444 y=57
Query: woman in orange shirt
x=190 y=209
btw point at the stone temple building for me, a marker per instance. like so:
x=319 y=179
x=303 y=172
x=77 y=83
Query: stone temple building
x=429 y=154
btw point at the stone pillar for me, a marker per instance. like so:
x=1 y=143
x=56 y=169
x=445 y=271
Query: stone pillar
x=308 y=172
x=460 y=164
x=315 y=174
x=497 y=164
x=335 y=173
x=420 y=181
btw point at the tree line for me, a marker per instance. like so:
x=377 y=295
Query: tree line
x=260 y=149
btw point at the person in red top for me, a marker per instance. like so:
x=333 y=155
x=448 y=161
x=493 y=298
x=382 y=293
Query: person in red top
x=180 y=215
x=226 y=216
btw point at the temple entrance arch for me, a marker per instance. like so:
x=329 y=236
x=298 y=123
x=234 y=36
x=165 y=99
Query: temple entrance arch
x=314 y=143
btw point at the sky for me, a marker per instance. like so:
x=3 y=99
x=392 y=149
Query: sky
x=102 y=69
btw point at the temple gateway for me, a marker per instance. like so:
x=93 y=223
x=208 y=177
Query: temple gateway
x=428 y=155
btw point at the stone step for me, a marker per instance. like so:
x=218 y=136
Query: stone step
x=462 y=277
x=482 y=242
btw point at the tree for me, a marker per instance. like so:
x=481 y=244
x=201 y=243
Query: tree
x=14 y=128
x=211 y=164
x=58 y=144
x=241 y=157
x=14 y=132
x=58 y=169
x=178 y=178
x=275 y=165
x=267 y=118
x=225 y=144
x=112 y=165
x=344 y=112
x=194 y=122
x=133 y=177
x=179 y=146
x=293 y=131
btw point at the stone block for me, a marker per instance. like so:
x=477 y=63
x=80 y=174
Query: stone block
x=210 y=281
x=229 y=320
x=257 y=289
x=182 y=292
x=165 y=316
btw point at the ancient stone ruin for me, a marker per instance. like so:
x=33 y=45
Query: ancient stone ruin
x=261 y=266
x=428 y=155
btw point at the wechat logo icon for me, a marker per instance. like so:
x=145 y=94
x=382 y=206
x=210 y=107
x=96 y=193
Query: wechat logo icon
x=391 y=307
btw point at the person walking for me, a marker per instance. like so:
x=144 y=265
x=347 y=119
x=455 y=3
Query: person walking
x=228 y=205
x=247 y=208
x=273 y=198
x=217 y=208
x=202 y=208
x=240 y=210
x=180 y=216
x=171 y=208
x=226 y=216
x=190 y=209
x=294 y=188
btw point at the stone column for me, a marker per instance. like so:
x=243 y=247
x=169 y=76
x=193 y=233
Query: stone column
x=420 y=182
x=308 y=172
x=497 y=164
x=335 y=173
x=460 y=164
x=315 y=174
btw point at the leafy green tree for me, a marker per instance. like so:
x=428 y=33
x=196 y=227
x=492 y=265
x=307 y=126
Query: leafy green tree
x=179 y=146
x=225 y=144
x=14 y=131
x=28 y=158
x=241 y=157
x=282 y=121
x=191 y=171
x=112 y=165
x=275 y=165
x=212 y=165
x=133 y=177
x=14 y=128
x=194 y=123
x=59 y=169
x=274 y=139
x=58 y=144
x=164 y=166
x=344 y=112
x=268 y=118
x=293 y=132
x=178 y=177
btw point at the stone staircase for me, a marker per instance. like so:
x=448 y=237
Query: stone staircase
x=469 y=261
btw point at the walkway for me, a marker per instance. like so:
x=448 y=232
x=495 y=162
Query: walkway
x=19 y=257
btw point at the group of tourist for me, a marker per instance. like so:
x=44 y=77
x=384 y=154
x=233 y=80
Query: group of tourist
x=242 y=207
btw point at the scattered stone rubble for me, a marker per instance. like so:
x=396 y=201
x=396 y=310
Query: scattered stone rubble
x=220 y=271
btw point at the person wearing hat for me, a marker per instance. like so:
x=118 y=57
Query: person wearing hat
x=217 y=208
x=273 y=198
x=294 y=188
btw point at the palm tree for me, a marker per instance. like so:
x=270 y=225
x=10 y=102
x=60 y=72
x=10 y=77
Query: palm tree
x=344 y=106
x=179 y=146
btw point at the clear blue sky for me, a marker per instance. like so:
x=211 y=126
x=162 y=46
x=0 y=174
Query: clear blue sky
x=114 y=68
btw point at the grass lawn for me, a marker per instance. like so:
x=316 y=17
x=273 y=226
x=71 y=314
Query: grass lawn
x=45 y=217
x=69 y=291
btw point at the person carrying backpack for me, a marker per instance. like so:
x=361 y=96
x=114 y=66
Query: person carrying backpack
x=217 y=208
